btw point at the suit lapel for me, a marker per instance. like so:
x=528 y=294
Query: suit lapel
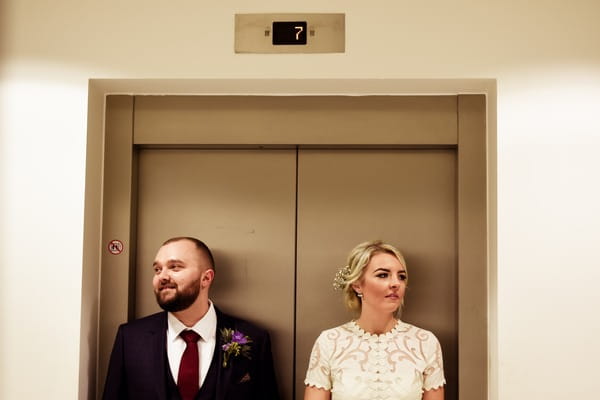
x=157 y=338
x=223 y=374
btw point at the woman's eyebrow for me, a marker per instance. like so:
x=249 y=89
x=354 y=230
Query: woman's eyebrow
x=387 y=270
x=382 y=269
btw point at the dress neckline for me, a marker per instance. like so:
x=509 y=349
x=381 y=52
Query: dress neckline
x=367 y=335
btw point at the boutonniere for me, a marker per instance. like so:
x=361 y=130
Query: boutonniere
x=235 y=344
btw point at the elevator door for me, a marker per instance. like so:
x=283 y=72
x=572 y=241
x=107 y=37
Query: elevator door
x=282 y=222
x=407 y=169
x=242 y=204
x=404 y=197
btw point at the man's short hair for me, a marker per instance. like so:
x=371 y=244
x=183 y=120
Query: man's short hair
x=200 y=245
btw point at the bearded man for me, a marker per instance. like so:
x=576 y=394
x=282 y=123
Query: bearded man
x=191 y=350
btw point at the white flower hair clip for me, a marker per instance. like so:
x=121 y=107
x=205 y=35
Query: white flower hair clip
x=341 y=276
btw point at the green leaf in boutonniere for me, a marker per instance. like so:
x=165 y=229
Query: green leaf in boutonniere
x=234 y=344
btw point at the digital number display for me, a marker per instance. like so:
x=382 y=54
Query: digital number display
x=289 y=32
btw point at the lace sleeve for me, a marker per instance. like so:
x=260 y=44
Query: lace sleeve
x=319 y=371
x=433 y=375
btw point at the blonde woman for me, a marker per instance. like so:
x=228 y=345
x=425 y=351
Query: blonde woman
x=377 y=356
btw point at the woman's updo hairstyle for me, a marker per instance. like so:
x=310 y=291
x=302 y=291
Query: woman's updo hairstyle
x=358 y=259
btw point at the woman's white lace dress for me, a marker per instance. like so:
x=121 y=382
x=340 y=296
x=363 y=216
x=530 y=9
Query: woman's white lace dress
x=355 y=365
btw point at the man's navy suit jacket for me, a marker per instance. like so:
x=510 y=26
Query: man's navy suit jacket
x=138 y=363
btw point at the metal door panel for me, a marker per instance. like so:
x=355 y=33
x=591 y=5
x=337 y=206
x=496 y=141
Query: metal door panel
x=242 y=204
x=405 y=197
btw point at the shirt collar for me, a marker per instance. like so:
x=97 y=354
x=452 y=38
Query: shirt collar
x=206 y=327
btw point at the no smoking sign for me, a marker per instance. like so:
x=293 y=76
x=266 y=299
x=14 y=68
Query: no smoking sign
x=115 y=247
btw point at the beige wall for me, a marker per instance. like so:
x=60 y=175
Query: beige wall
x=544 y=55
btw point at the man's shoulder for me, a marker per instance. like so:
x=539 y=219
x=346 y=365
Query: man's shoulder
x=158 y=319
x=248 y=328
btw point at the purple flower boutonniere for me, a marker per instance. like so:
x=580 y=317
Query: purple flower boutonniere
x=234 y=344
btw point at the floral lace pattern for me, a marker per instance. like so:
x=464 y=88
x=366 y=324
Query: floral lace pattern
x=356 y=365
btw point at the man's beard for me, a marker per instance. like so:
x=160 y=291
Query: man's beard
x=182 y=299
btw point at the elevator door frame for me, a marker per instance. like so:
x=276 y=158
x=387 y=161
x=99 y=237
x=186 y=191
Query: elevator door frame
x=128 y=128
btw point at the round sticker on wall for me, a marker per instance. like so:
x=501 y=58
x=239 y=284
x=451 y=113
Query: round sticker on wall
x=115 y=247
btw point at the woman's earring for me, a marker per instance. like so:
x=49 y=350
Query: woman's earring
x=359 y=295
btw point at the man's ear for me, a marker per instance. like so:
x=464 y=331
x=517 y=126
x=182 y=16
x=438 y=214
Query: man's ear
x=207 y=277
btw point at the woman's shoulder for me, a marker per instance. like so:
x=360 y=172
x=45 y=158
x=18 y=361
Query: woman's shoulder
x=421 y=334
x=401 y=331
x=345 y=329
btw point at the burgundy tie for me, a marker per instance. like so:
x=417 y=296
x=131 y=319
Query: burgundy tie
x=188 y=376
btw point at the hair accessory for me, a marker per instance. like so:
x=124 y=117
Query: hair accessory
x=339 y=281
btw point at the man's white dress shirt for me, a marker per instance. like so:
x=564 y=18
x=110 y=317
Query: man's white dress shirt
x=206 y=328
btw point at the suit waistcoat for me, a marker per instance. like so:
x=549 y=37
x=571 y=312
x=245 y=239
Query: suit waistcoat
x=209 y=386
